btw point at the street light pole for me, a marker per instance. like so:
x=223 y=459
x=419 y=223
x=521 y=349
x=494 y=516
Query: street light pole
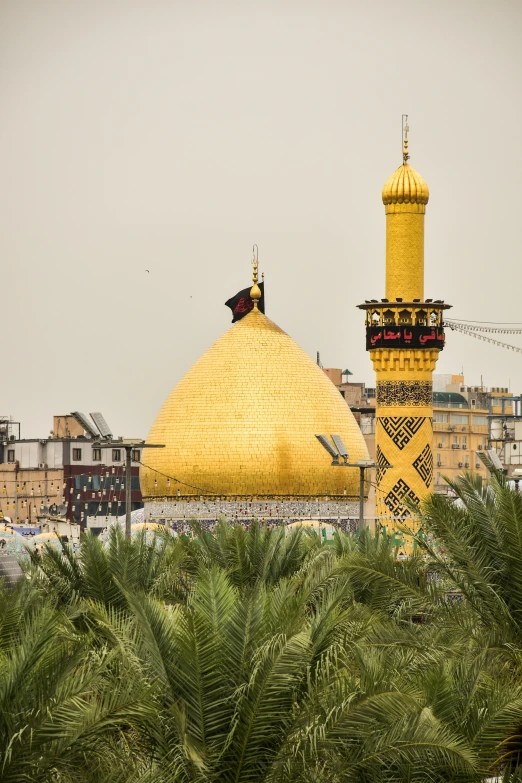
x=337 y=452
x=129 y=445
x=128 y=491
x=362 y=464
x=361 y=497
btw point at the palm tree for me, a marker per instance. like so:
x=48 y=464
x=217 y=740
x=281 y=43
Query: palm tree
x=104 y=573
x=247 y=656
x=479 y=550
x=290 y=681
x=63 y=703
x=250 y=556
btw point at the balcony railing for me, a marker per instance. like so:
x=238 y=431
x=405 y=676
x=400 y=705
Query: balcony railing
x=455 y=405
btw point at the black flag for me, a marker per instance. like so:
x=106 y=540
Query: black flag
x=241 y=303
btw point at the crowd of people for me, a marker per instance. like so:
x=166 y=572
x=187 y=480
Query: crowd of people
x=184 y=526
x=258 y=509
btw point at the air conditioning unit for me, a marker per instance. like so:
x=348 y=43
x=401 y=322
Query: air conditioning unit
x=460 y=465
x=477 y=464
x=455 y=446
x=439 y=464
x=480 y=447
x=42 y=465
x=466 y=464
x=464 y=429
x=441 y=445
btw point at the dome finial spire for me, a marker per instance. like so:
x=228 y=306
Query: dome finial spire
x=405 y=129
x=255 y=291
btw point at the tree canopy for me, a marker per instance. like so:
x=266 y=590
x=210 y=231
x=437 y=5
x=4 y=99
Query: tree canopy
x=262 y=655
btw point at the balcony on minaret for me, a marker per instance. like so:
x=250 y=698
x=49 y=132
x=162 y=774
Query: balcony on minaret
x=404 y=325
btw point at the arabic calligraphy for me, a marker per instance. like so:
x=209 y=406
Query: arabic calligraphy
x=404 y=336
x=244 y=305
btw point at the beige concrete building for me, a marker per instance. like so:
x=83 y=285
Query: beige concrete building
x=460 y=430
x=25 y=493
x=62 y=475
x=466 y=421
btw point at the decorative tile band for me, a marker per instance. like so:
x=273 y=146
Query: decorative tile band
x=401 y=429
x=382 y=464
x=395 y=498
x=424 y=465
x=243 y=511
x=404 y=393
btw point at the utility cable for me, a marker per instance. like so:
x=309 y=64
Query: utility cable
x=463 y=330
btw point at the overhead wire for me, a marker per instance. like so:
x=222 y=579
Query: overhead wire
x=498 y=323
x=178 y=481
x=479 y=328
x=463 y=329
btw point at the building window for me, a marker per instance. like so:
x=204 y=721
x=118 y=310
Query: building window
x=440 y=418
x=96 y=455
x=77 y=455
x=459 y=418
x=116 y=455
x=464 y=441
x=455 y=440
x=10 y=455
x=136 y=455
x=481 y=421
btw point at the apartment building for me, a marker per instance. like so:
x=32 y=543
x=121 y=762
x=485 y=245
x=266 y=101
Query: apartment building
x=64 y=475
x=460 y=429
x=466 y=420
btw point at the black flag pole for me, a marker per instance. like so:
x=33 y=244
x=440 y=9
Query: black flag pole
x=241 y=304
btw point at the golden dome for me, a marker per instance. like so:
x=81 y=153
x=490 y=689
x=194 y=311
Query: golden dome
x=405 y=186
x=242 y=422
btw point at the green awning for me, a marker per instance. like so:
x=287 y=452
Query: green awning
x=450 y=398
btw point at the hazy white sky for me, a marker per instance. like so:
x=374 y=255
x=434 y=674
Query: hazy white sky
x=171 y=136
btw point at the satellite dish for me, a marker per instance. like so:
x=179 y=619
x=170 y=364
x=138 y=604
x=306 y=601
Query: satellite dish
x=490 y=460
x=44 y=509
x=84 y=422
x=323 y=440
x=61 y=510
x=339 y=445
x=492 y=454
x=101 y=425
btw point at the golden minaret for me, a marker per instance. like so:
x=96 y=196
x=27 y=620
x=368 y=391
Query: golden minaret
x=404 y=334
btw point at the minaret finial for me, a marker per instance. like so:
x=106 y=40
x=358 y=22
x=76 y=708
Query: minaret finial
x=255 y=291
x=405 y=129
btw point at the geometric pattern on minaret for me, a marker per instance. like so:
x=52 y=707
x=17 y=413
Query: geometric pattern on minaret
x=404 y=335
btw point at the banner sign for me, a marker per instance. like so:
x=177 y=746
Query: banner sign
x=404 y=336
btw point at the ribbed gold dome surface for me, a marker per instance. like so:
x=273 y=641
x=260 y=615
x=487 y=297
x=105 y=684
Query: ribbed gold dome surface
x=242 y=422
x=405 y=186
